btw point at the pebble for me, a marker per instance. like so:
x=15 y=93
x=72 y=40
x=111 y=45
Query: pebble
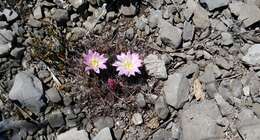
x=252 y=56
x=176 y=90
x=137 y=119
x=140 y=100
x=28 y=90
x=61 y=16
x=10 y=15
x=56 y=119
x=17 y=52
x=37 y=12
x=154 y=18
x=225 y=108
x=76 y=3
x=227 y=38
x=53 y=95
x=130 y=34
x=103 y=122
x=73 y=134
x=130 y=10
x=188 y=31
x=161 y=108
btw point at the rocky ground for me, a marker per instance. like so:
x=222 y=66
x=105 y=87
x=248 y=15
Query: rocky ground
x=199 y=81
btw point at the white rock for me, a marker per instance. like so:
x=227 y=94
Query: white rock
x=246 y=91
x=104 y=134
x=137 y=119
x=214 y=4
x=5 y=49
x=253 y=55
x=76 y=3
x=73 y=134
x=37 y=12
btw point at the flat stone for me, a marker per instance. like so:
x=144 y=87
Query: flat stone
x=253 y=55
x=154 y=18
x=73 y=134
x=56 y=119
x=246 y=114
x=6 y=36
x=104 y=134
x=10 y=14
x=61 y=16
x=176 y=90
x=28 y=90
x=137 y=119
x=188 y=31
x=236 y=88
x=161 y=108
x=129 y=34
x=5 y=49
x=214 y=4
x=53 y=95
x=76 y=3
x=155 y=66
x=222 y=62
x=189 y=69
x=256 y=109
x=225 y=108
x=199 y=121
x=17 y=52
x=218 y=25
x=140 y=100
x=34 y=23
x=130 y=10
x=169 y=34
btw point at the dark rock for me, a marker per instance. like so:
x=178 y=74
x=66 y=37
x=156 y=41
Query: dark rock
x=53 y=95
x=56 y=119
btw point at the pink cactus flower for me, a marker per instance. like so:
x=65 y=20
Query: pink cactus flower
x=128 y=64
x=94 y=61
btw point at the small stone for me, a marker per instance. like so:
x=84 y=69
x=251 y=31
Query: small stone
x=34 y=23
x=5 y=49
x=67 y=100
x=73 y=134
x=222 y=62
x=253 y=55
x=53 y=95
x=225 y=108
x=156 y=4
x=61 y=16
x=161 y=108
x=214 y=4
x=17 y=52
x=56 y=119
x=227 y=38
x=103 y=122
x=188 y=31
x=130 y=10
x=176 y=90
x=154 y=18
x=130 y=34
x=140 y=23
x=248 y=14
x=37 y=12
x=137 y=119
x=28 y=90
x=236 y=88
x=176 y=131
x=6 y=36
x=170 y=35
x=10 y=14
x=246 y=114
x=76 y=3
x=140 y=100
x=256 y=109
x=155 y=66
x=110 y=16
x=246 y=91
x=189 y=69
x=104 y=134
x=249 y=129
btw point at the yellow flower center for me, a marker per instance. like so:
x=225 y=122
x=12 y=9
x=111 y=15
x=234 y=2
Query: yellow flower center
x=94 y=63
x=128 y=65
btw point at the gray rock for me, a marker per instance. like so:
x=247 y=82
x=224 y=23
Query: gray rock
x=176 y=131
x=73 y=134
x=6 y=36
x=37 y=12
x=176 y=90
x=140 y=100
x=222 y=62
x=156 y=3
x=17 y=52
x=218 y=25
x=130 y=10
x=77 y=33
x=189 y=69
x=236 y=88
x=169 y=34
x=130 y=34
x=3 y=24
x=53 y=95
x=225 y=108
x=161 y=108
x=56 y=119
x=246 y=114
x=104 y=134
x=188 y=31
x=227 y=38
x=199 y=120
x=67 y=100
x=140 y=23
x=256 y=109
x=10 y=14
x=76 y=3
x=137 y=119
x=249 y=129
x=61 y=16
x=103 y=122
x=214 y=4
x=200 y=15
x=154 y=18
x=28 y=90
x=5 y=49
x=253 y=55
x=162 y=134
x=34 y=23
x=110 y=16
x=155 y=66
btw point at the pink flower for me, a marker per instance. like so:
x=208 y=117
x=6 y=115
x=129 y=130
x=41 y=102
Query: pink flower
x=128 y=64
x=94 y=61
